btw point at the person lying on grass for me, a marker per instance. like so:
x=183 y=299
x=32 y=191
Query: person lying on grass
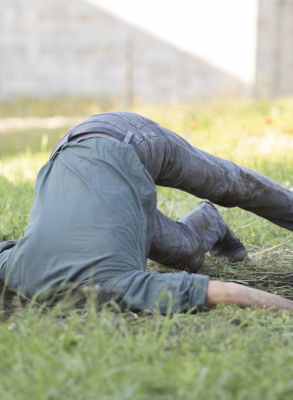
x=94 y=219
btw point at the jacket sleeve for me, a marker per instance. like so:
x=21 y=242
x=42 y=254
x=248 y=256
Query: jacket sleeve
x=141 y=291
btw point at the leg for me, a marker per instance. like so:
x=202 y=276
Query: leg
x=172 y=162
x=182 y=244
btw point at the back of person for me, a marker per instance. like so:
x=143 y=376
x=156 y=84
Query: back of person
x=91 y=215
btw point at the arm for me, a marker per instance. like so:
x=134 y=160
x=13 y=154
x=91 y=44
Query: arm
x=139 y=290
x=232 y=293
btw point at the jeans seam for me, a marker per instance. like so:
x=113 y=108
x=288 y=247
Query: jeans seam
x=103 y=121
x=145 y=138
x=170 y=139
x=137 y=126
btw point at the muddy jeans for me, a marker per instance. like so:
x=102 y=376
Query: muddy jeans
x=172 y=162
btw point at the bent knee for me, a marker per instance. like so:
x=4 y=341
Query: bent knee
x=188 y=260
x=195 y=263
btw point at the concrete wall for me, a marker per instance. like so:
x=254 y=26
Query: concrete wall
x=72 y=47
x=77 y=47
x=274 y=72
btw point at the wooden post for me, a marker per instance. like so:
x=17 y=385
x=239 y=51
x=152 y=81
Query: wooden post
x=128 y=74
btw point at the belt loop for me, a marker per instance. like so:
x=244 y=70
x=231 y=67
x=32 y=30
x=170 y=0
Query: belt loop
x=128 y=137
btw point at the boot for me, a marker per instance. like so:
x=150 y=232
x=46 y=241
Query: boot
x=230 y=249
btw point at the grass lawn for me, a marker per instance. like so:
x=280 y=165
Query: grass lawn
x=227 y=353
